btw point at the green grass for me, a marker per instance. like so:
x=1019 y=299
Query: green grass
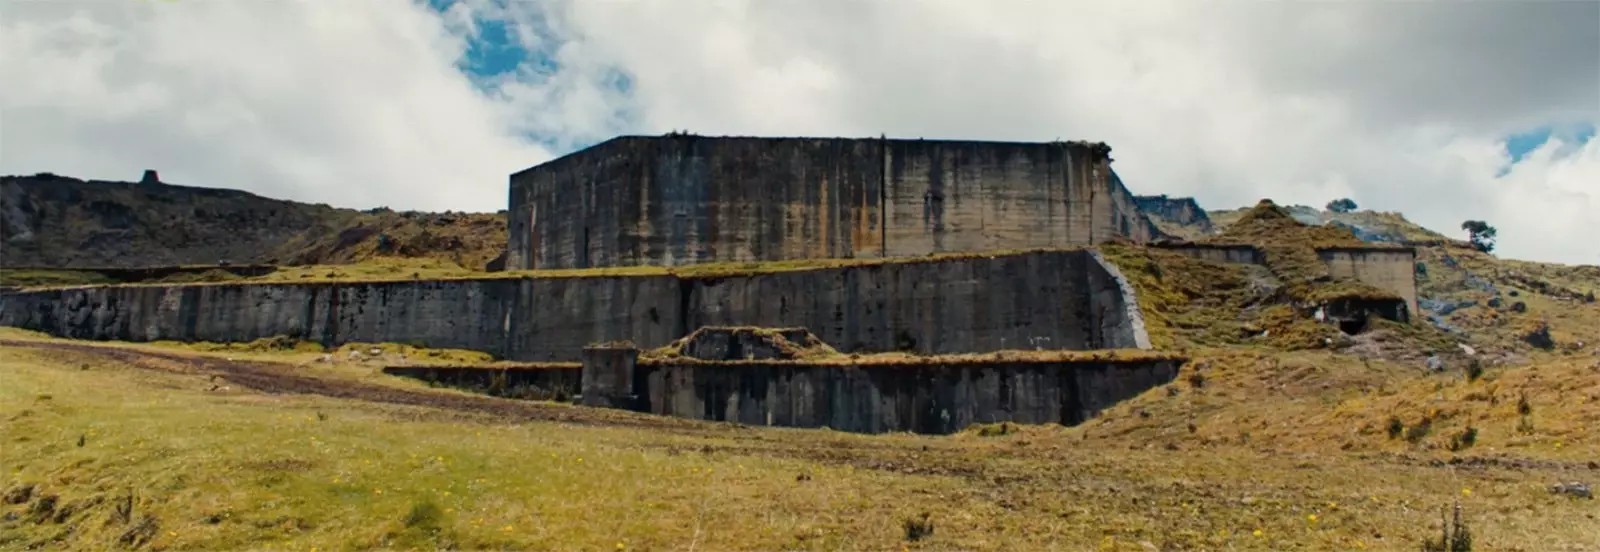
x=42 y=277
x=403 y=269
x=1271 y=441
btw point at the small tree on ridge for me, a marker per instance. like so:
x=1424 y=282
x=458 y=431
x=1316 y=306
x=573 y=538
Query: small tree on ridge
x=1342 y=205
x=1480 y=234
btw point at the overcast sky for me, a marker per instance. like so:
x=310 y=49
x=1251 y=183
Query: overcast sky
x=1444 y=110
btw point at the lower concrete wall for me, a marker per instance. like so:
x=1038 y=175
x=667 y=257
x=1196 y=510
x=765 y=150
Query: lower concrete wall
x=1010 y=302
x=921 y=398
x=465 y=314
x=1238 y=254
x=534 y=382
x=1045 y=300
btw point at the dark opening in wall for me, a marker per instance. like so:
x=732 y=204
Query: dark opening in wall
x=1352 y=314
x=903 y=341
x=1354 y=326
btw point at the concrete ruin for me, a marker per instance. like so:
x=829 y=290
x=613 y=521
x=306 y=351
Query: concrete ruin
x=931 y=250
x=1070 y=299
x=1386 y=267
x=676 y=200
x=755 y=376
x=1180 y=210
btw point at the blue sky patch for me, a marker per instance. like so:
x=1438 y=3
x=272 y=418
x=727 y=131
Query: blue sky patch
x=1518 y=146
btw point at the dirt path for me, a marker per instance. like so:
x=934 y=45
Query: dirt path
x=282 y=379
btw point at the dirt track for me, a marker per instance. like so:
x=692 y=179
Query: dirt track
x=282 y=379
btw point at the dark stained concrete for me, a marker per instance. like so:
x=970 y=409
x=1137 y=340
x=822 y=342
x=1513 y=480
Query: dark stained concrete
x=1041 y=300
x=1180 y=210
x=676 y=200
x=559 y=383
x=875 y=398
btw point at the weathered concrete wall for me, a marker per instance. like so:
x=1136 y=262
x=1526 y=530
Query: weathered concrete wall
x=1115 y=320
x=946 y=196
x=1017 y=302
x=531 y=382
x=1181 y=210
x=608 y=376
x=679 y=200
x=934 y=398
x=555 y=318
x=1394 y=269
x=684 y=200
x=1048 y=300
x=463 y=314
x=1217 y=253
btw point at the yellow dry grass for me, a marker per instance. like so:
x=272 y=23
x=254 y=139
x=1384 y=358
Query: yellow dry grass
x=394 y=269
x=1261 y=452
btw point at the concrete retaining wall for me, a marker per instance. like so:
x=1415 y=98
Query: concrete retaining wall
x=1390 y=268
x=1394 y=269
x=679 y=200
x=1236 y=254
x=1046 y=300
x=937 y=399
x=558 y=383
x=1181 y=210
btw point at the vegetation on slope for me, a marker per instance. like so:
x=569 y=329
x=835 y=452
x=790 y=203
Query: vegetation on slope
x=1291 y=253
x=49 y=221
x=1244 y=451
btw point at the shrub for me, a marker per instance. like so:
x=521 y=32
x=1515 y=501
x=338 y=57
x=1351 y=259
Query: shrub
x=1396 y=427
x=1540 y=338
x=918 y=529
x=424 y=515
x=1523 y=406
x=1417 y=433
x=1465 y=439
x=1454 y=536
x=1474 y=369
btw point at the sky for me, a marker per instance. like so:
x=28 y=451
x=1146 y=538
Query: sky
x=1446 y=111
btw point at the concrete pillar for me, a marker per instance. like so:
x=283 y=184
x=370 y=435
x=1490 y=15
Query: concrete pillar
x=608 y=376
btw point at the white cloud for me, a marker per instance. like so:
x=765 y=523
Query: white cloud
x=352 y=103
x=1401 y=106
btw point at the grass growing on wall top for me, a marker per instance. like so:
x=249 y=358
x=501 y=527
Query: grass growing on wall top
x=403 y=270
x=1291 y=253
x=51 y=278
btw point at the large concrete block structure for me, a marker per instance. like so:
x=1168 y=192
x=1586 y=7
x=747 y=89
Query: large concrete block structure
x=679 y=199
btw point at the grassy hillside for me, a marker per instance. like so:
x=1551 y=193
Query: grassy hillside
x=1278 y=434
x=165 y=448
x=49 y=221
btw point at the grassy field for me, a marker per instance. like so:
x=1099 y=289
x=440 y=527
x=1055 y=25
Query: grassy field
x=169 y=448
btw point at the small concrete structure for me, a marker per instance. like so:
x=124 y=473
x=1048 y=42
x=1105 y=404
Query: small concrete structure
x=608 y=374
x=1352 y=314
x=724 y=380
